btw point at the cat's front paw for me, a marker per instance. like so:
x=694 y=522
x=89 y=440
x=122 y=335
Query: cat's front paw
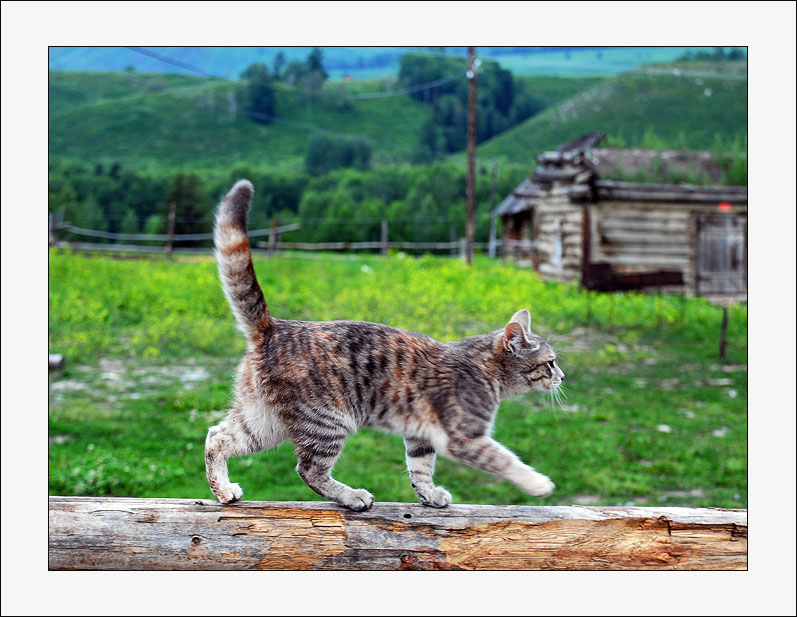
x=358 y=500
x=230 y=493
x=436 y=498
x=539 y=485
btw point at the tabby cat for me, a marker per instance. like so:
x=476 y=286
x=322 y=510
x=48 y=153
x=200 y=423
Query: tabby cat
x=314 y=383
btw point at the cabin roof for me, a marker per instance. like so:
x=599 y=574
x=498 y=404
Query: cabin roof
x=578 y=163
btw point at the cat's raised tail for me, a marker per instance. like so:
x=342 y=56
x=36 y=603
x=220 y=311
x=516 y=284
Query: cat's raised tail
x=237 y=274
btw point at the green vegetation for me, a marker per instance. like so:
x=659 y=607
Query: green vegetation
x=420 y=202
x=717 y=55
x=499 y=104
x=202 y=124
x=157 y=122
x=664 y=111
x=652 y=417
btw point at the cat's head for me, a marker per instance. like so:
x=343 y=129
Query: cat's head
x=531 y=362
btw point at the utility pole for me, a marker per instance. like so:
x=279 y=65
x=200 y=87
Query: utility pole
x=471 y=184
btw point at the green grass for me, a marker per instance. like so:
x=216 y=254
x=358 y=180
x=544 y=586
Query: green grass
x=652 y=417
x=127 y=119
x=148 y=121
x=636 y=111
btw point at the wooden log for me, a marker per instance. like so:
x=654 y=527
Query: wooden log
x=91 y=533
x=674 y=193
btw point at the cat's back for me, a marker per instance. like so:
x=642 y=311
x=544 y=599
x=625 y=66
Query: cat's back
x=362 y=367
x=370 y=349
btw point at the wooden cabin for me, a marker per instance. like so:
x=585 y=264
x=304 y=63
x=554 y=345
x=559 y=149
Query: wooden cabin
x=568 y=223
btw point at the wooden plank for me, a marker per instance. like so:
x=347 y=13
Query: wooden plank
x=669 y=227
x=674 y=207
x=646 y=249
x=172 y=534
x=657 y=262
x=629 y=237
x=681 y=193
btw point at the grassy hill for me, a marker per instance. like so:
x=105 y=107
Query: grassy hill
x=173 y=121
x=151 y=121
x=677 y=106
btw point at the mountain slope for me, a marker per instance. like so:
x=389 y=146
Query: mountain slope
x=175 y=121
x=150 y=120
x=686 y=110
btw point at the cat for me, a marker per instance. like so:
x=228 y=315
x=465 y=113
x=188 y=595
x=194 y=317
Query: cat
x=314 y=383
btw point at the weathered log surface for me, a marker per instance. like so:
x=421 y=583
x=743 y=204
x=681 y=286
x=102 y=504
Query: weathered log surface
x=92 y=533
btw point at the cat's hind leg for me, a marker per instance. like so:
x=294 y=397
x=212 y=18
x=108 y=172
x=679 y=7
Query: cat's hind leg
x=246 y=429
x=319 y=442
x=420 y=465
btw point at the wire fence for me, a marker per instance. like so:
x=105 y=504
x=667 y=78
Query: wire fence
x=156 y=243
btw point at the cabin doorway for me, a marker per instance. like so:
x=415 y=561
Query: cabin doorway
x=721 y=254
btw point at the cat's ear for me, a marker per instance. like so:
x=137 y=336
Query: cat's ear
x=515 y=337
x=523 y=317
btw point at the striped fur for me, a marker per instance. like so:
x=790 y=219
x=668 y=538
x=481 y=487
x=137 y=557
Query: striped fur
x=315 y=383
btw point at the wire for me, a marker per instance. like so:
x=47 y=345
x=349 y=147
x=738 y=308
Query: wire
x=409 y=90
x=182 y=65
x=108 y=235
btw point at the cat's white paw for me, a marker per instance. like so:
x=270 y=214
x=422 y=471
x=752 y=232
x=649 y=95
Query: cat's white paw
x=230 y=493
x=358 y=500
x=538 y=485
x=437 y=498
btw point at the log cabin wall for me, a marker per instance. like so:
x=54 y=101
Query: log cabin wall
x=644 y=236
x=558 y=240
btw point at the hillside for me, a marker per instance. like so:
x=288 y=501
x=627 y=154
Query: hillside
x=676 y=106
x=175 y=121
x=171 y=121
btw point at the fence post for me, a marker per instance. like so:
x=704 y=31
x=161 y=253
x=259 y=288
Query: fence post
x=463 y=248
x=491 y=246
x=724 y=333
x=384 y=238
x=51 y=229
x=273 y=238
x=170 y=231
x=452 y=238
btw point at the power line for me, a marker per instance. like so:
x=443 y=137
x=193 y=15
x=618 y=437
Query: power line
x=179 y=63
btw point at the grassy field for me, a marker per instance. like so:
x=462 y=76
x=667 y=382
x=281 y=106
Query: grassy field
x=652 y=111
x=652 y=417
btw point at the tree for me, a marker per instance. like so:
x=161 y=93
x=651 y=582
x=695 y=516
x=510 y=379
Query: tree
x=279 y=64
x=294 y=72
x=315 y=63
x=260 y=99
x=129 y=223
x=326 y=153
x=193 y=209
